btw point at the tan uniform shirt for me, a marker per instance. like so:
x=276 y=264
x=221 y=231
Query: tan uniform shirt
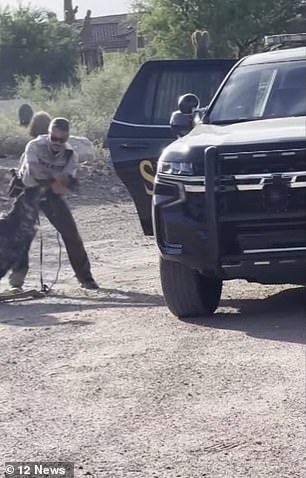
x=39 y=163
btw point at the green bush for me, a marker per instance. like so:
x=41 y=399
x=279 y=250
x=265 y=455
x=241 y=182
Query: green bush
x=34 y=42
x=10 y=127
x=89 y=104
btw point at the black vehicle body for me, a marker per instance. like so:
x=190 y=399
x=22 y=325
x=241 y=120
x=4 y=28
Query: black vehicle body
x=239 y=212
x=225 y=226
x=140 y=129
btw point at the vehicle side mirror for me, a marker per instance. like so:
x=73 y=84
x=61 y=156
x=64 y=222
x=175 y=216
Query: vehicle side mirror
x=188 y=103
x=181 y=123
x=182 y=120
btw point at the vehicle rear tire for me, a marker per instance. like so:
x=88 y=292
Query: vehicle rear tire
x=187 y=292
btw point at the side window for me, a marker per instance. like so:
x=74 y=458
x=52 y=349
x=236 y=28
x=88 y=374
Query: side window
x=150 y=97
x=163 y=91
x=171 y=86
x=153 y=94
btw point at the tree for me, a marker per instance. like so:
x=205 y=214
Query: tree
x=234 y=26
x=34 y=43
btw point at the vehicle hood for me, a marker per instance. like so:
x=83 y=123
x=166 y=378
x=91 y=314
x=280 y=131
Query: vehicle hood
x=263 y=131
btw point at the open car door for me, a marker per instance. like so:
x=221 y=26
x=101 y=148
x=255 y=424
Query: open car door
x=140 y=129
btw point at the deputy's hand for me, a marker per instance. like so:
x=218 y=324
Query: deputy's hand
x=59 y=185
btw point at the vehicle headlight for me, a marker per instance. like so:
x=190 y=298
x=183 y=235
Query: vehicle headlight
x=176 y=163
x=176 y=167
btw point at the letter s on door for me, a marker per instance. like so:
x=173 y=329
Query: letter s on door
x=147 y=172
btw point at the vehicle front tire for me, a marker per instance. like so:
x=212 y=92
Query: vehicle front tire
x=187 y=292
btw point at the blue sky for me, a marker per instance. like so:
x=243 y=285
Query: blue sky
x=98 y=7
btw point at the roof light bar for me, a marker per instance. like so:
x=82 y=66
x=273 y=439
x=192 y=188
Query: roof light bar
x=271 y=40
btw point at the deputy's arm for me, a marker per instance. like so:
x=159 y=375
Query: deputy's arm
x=30 y=169
x=70 y=172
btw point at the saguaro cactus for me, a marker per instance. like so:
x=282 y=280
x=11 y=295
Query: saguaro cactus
x=91 y=54
x=69 y=12
x=200 y=42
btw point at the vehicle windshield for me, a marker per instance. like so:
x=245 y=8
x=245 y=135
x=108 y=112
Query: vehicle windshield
x=254 y=92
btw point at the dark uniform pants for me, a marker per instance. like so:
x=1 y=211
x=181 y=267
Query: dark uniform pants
x=58 y=213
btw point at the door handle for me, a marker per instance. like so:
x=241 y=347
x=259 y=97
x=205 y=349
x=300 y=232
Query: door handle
x=134 y=146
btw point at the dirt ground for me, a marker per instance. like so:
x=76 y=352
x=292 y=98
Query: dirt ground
x=113 y=382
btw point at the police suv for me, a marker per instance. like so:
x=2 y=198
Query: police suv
x=228 y=195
